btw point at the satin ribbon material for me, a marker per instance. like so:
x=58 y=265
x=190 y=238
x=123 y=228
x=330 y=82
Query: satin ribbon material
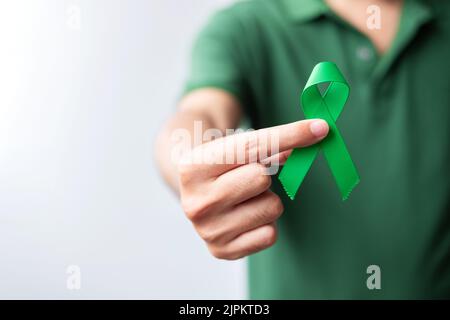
x=327 y=107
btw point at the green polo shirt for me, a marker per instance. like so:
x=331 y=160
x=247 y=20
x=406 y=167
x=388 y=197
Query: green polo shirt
x=396 y=125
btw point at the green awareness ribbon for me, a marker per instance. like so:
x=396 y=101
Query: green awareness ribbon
x=327 y=107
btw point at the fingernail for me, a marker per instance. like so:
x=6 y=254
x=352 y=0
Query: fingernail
x=319 y=128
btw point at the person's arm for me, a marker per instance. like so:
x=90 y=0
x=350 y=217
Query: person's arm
x=229 y=204
x=213 y=107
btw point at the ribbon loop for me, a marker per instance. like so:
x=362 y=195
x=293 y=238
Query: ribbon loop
x=327 y=107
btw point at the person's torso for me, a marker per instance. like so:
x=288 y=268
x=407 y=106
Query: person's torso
x=396 y=125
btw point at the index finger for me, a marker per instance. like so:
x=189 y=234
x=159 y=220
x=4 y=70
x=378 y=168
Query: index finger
x=229 y=152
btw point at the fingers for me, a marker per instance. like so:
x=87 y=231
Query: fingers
x=227 y=153
x=213 y=196
x=296 y=134
x=256 y=212
x=259 y=211
x=247 y=243
x=279 y=158
x=242 y=183
x=221 y=228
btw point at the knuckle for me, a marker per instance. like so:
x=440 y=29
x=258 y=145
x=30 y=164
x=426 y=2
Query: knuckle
x=196 y=207
x=272 y=207
x=183 y=168
x=209 y=235
x=220 y=253
x=263 y=180
x=277 y=206
x=269 y=237
x=266 y=239
x=191 y=208
x=184 y=173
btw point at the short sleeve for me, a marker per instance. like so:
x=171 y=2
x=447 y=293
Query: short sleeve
x=216 y=57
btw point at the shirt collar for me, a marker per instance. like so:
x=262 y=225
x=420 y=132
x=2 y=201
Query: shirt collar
x=305 y=10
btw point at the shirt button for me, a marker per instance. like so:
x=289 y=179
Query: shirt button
x=364 y=53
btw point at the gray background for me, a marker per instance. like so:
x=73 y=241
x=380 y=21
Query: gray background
x=79 y=108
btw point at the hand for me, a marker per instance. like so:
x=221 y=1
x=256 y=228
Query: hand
x=230 y=205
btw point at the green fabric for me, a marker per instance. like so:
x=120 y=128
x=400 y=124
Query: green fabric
x=396 y=123
x=327 y=107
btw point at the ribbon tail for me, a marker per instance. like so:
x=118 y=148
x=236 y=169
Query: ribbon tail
x=337 y=155
x=296 y=168
x=340 y=163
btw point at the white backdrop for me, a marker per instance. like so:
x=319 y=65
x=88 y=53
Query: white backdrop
x=84 y=87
